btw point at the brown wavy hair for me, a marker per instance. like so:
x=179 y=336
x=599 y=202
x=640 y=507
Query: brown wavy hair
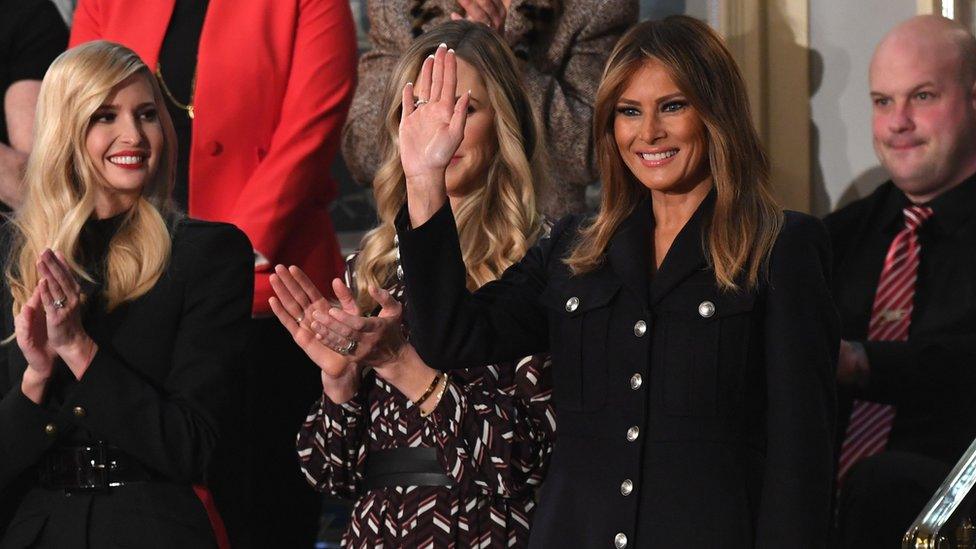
x=746 y=220
x=496 y=223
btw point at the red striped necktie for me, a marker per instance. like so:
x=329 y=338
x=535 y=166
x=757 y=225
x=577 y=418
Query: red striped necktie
x=867 y=433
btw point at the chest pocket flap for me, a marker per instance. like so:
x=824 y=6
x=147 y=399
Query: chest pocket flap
x=706 y=338
x=579 y=325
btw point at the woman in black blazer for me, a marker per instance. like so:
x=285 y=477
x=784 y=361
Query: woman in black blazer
x=692 y=331
x=127 y=323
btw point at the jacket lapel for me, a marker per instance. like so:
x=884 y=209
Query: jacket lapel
x=629 y=252
x=686 y=256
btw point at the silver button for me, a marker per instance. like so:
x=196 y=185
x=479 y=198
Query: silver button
x=640 y=328
x=633 y=433
x=626 y=487
x=636 y=381
x=620 y=540
x=399 y=272
x=572 y=304
x=706 y=309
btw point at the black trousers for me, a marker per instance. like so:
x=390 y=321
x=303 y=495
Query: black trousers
x=882 y=496
x=261 y=492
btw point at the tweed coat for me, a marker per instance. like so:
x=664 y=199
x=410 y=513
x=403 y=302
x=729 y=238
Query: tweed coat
x=686 y=416
x=562 y=47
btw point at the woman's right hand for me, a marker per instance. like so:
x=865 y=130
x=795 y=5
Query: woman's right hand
x=296 y=298
x=30 y=329
x=431 y=132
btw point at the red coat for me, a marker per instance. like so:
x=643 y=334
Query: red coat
x=274 y=83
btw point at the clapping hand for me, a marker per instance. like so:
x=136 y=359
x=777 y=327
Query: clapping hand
x=297 y=298
x=30 y=330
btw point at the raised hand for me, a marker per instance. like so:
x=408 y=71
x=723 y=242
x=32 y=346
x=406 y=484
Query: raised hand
x=296 y=298
x=488 y=12
x=431 y=130
x=60 y=295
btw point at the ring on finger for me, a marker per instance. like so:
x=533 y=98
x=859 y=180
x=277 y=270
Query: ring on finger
x=58 y=303
x=348 y=348
x=299 y=318
x=420 y=103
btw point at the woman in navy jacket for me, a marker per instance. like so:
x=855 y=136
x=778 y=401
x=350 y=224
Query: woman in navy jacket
x=692 y=331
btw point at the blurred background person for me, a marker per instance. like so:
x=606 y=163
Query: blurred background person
x=129 y=322
x=32 y=34
x=905 y=280
x=258 y=93
x=561 y=47
x=470 y=446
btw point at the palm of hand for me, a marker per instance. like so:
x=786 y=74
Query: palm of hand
x=427 y=141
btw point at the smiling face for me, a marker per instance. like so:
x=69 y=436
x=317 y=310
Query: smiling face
x=660 y=136
x=124 y=143
x=924 y=113
x=468 y=169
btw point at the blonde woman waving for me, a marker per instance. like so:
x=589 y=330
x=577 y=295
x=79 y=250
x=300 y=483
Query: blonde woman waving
x=433 y=459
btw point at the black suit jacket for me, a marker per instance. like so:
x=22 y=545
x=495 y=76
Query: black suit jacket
x=159 y=388
x=686 y=416
x=931 y=378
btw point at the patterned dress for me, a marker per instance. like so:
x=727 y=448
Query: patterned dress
x=493 y=431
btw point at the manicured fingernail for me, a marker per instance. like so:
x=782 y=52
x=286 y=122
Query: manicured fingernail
x=431 y=56
x=410 y=83
x=443 y=45
x=450 y=50
x=316 y=315
x=315 y=325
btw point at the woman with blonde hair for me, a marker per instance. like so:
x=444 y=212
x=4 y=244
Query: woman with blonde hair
x=692 y=331
x=435 y=459
x=127 y=321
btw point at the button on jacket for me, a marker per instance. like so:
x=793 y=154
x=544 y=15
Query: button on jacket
x=686 y=416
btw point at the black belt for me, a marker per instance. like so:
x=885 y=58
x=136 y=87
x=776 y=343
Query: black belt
x=89 y=468
x=404 y=467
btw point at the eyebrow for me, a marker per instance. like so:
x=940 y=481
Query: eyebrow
x=115 y=107
x=917 y=87
x=659 y=100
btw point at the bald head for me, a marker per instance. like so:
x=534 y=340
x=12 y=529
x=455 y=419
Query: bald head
x=931 y=39
x=923 y=87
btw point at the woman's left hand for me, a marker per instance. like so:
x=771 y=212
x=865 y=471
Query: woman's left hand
x=61 y=297
x=375 y=341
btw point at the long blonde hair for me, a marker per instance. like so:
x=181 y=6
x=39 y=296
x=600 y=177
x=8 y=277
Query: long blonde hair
x=61 y=178
x=498 y=222
x=746 y=219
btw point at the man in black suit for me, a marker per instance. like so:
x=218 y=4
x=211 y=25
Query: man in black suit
x=905 y=286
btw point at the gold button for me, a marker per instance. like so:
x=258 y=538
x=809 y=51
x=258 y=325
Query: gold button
x=50 y=429
x=640 y=328
x=620 y=540
x=79 y=411
x=636 y=381
x=572 y=304
x=633 y=433
x=626 y=487
x=706 y=309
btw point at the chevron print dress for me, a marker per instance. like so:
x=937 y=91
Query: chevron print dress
x=493 y=430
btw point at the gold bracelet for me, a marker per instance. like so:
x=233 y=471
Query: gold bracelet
x=430 y=390
x=437 y=398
